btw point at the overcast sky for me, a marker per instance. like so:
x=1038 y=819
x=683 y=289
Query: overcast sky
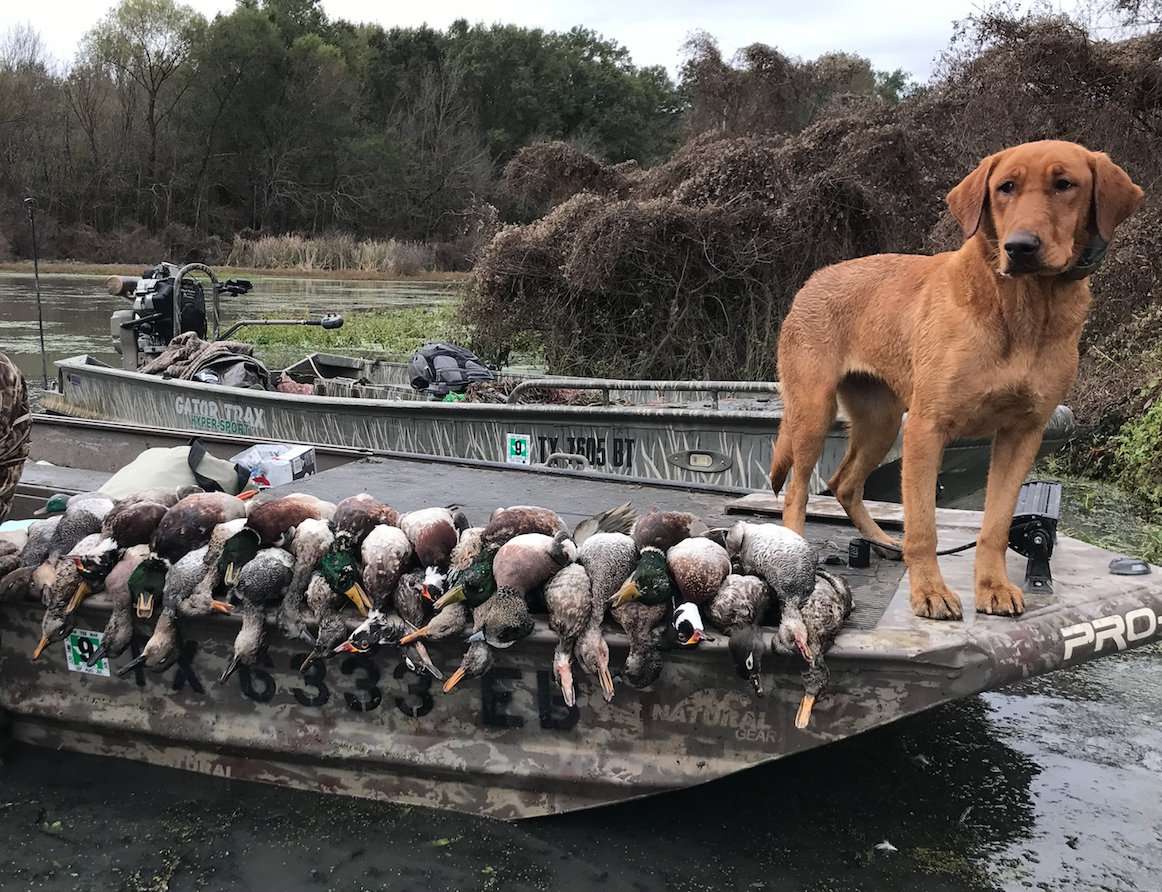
x=893 y=34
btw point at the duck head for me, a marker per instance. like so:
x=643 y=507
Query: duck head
x=650 y=580
x=746 y=650
x=688 y=624
x=237 y=551
x=476 y=584
x=146 y=583
x=792 y=635
x=342 y=575
x=432 y=588
x=56 y=504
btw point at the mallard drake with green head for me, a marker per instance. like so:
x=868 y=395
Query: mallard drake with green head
x=342 y=573
x=474 y=585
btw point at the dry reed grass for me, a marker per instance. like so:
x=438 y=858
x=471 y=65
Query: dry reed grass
x=337 y=253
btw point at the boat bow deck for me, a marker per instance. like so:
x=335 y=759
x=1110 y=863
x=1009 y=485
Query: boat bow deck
x=506 y=745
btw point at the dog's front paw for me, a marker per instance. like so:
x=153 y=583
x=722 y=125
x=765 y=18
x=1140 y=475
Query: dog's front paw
x=1000 y=598
x=936 y=602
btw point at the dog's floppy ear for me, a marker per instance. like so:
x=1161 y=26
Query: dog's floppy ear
x=1115 y=195
x=966 y=200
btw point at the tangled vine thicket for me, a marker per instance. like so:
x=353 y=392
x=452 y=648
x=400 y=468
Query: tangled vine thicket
x=686 y=270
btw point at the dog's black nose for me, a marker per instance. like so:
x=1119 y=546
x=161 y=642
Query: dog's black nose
x=1023 y=248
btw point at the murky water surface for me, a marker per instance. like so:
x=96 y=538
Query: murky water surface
x=1054 y=784
x=75 y=310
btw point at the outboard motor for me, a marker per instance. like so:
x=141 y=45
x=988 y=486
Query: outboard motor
x=159 y=314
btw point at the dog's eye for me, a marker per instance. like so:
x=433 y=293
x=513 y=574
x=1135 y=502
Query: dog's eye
x=1063 y=185
x=1008 y=187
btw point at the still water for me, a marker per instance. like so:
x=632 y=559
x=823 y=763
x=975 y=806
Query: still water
x=1054 y=784
x=75 y=310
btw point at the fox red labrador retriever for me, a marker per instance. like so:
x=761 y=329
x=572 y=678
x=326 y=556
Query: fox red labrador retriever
x=976 y=342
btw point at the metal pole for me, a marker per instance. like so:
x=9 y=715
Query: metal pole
x=30 y=203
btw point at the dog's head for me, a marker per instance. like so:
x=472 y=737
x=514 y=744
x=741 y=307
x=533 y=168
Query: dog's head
x=1045 y=205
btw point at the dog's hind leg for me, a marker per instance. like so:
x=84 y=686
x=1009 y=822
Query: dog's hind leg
x=875 y=413
x=810 y=418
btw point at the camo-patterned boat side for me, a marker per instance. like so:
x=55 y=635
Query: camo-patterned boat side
x=505 y=745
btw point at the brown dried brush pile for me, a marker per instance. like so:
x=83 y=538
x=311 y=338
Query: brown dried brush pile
x=686 y=270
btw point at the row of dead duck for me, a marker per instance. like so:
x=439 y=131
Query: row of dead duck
x=427 y=575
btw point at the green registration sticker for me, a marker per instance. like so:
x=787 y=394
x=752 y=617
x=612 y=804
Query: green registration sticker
x=520 y=446
x=79 y=646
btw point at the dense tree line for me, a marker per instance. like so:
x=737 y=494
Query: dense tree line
x=275 y=119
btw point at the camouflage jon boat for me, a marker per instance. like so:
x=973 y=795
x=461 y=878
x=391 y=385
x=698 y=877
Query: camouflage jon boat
x=505 y=745
x=703 y=432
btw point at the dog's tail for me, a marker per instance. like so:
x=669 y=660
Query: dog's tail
x=782 y=458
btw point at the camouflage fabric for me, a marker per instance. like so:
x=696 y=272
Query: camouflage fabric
x=15 y=428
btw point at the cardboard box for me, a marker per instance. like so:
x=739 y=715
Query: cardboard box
x=272 y=464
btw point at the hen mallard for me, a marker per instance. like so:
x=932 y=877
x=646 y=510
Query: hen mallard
x=264 y=578
x=58 y=622
x=455 y=620
x=570 y=602
x=477 y=660
x=609 y=559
